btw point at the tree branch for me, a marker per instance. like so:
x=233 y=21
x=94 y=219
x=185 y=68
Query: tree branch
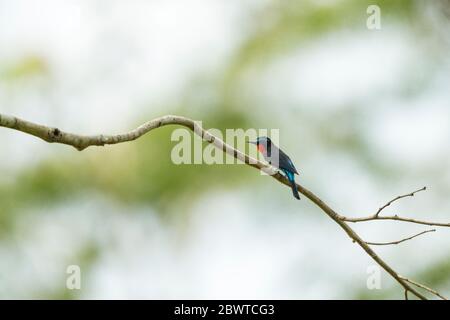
x=81 y=142
x=396 y=217
x=399 y=241
x=398 y=198
x=423 y=287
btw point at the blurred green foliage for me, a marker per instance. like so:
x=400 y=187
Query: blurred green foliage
x=141 y=172
x=23 y=68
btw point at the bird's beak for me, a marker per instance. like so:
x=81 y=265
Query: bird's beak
x=251 y=142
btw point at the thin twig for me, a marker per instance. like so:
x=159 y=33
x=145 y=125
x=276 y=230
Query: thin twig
x=406 y=294
x=424 y=287
x=399 y=241
x=396 y=217
x=411 y=194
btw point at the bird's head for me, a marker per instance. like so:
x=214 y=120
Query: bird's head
x=263 y=143
x=261 y=140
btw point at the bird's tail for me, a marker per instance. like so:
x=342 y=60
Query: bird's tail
x=291 y=179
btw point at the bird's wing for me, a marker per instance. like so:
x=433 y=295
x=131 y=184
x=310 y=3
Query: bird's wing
x=286 y=162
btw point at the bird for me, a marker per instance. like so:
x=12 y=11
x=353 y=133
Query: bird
x=276 y=157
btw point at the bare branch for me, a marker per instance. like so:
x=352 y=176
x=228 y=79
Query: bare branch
x=396 y=217
x=81 y=142
x=411 y=194
x=399 y=241
x=424 y=287
x=406 y=294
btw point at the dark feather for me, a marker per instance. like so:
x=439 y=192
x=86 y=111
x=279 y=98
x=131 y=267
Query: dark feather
x=282 y=161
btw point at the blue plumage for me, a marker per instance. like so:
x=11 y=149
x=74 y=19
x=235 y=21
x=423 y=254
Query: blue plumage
x=278 y=159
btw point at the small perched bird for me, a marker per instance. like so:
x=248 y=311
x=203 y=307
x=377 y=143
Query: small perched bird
x=276 y=157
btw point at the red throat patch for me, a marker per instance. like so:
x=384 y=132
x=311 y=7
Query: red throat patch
x=261 y=148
